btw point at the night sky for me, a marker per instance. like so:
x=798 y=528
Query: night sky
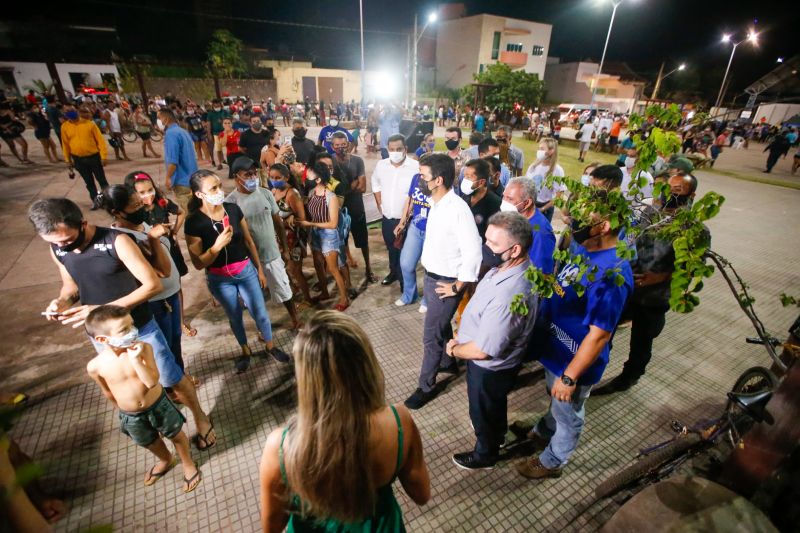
x=646 y=32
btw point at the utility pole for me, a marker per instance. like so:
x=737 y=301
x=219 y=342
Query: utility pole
x=414 y=66
x=361 y=16
x=658 y=82
x=53 y=71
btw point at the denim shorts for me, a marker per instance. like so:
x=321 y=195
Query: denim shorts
x=161 y=417
x=325 y=240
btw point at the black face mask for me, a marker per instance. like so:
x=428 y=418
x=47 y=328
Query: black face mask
x=77 y=243
x=493 y=259
x=581 y=234
x=424 y=187
x=674 y=201
x=137 y=217
x=451 y=144
x=300 y=133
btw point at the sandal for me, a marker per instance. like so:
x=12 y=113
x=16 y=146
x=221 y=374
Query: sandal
x=204 y=438
x=188 y=487
x=341 y=307
x=188 y=330
x=152 y=477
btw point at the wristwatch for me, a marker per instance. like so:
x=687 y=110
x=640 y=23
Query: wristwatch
x=568 y=381
x=454 y=287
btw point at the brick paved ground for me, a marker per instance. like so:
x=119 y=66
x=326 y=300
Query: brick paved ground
x=73 y=432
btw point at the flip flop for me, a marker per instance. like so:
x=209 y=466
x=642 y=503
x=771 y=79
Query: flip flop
x=155 y=476
x=197 y=438
x=188 y=487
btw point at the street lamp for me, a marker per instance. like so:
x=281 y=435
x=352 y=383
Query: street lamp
x=661 y=78
x=616 y=4
x=417 y=36
x=752 y=37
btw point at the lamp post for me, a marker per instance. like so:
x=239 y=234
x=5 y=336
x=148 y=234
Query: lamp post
x=361 y=20
x=752 y=36
x=417 y=37
x=662 y=78
x=605 y=47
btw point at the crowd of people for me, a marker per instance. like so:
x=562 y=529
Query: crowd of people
x=473 y=215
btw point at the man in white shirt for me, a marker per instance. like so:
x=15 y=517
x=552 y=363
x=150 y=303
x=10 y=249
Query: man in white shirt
x=452 y=257
x=628 y=171
x=587 y=131
x=391 y=181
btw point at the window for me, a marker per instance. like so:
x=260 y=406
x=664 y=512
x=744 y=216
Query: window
x=480 y=69
x=513 y=47
x=538 y=50
x=496 y=45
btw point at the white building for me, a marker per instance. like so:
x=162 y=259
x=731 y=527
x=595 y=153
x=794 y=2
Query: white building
x=17 y=76
x=298 y=80
x=467 y=45
x=618 y=88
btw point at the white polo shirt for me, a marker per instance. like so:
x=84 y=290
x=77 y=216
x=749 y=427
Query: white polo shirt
x=452 y=245
x=393 y=183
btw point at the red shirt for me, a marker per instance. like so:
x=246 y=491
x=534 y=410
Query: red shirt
x=31 y=98
x=232 y=143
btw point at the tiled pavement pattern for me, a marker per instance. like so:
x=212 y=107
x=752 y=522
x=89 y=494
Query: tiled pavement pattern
x=99 y=471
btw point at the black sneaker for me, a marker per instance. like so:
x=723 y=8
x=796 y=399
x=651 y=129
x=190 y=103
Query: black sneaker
x=471 y=461
x=279 y=355
x=419 y=398
x=618 y=384
x=241 y=364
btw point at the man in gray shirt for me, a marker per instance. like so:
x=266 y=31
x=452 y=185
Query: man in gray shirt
x=493 y=338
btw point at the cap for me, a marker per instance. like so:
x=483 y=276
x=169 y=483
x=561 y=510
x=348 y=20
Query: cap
x=681 y=163
x=242 y=163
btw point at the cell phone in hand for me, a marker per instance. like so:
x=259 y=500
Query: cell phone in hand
x=226 y=222
x=287 y=139
x=52 y=313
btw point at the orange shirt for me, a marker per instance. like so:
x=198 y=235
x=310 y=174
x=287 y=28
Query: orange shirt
x=615 y=127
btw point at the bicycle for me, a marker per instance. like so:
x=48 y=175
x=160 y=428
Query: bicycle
x=130 y=135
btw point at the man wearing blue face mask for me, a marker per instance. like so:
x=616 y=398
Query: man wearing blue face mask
x=263 y=219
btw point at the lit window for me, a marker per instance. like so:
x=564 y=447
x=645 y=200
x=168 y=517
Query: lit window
x=538 y=50
x=513 y=47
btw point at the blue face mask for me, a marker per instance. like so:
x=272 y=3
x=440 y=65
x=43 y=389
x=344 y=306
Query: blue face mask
x=129 y=339
x=277 y=184
x=250 y=184
x=71 y=115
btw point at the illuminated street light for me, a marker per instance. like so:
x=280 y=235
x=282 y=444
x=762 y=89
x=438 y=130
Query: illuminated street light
x=752 y=36
x=661 y=78
x=616 y=4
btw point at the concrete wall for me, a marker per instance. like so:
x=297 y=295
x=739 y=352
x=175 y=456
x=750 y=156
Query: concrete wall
x=775 y=113
x=26 y=72
x=466 y=43
x=571 y=83
x=202 y=89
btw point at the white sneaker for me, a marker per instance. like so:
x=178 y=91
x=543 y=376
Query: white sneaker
x=399 y=302
x=423 y=308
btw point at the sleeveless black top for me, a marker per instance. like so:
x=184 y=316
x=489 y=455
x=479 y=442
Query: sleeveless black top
x=100 y=274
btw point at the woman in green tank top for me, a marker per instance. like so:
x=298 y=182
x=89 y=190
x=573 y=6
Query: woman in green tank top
x=332 y=467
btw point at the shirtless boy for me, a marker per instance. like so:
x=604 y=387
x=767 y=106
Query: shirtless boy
x=127 y=374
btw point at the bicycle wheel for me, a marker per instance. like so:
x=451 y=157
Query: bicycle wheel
x=647 y=465
x=156 y=135
x=130 y=136
x=755 y=380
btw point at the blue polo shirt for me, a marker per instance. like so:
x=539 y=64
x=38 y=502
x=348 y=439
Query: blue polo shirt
x=179 y=151
x=544 y=243
x=569 y=316
x=326 y=136
x=420 y=205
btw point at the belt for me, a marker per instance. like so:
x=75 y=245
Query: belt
x=437 y=277
x=84 y=156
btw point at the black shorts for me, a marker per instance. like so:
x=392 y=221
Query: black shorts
x=613 y=141
x=144 y=135
x=41 y=134
x=358 y=229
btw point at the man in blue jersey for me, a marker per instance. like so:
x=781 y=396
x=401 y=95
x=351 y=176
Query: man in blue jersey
x=326 y=134
x=520 y=196
x=574 y=346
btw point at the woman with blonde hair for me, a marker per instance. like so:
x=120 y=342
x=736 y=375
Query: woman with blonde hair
x=546 y=166
x=332 y=467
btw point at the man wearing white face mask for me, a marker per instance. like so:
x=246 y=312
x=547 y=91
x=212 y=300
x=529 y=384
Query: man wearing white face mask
x=475 y=189
x=391 y=181
x=326 y=134
x=266 y=226
x=629 y=172
x=520 y=197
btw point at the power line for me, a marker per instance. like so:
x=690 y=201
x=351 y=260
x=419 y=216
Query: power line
x=241 y=19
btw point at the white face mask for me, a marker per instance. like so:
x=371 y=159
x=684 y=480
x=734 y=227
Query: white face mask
x=630 y=162
x=540 y=154
x=585 y=179
x=396 y=157
x=508 y=206
x=215 y=199
x=125 y=341
x=334 y=122
x=466 y=187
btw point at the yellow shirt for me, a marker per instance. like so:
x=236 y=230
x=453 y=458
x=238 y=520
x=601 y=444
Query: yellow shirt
x=81 y=139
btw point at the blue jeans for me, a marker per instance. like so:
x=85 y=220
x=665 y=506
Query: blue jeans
x=227 y=289
x=169 y=373
x=563 y=424
x=409 y=257
x=167 y=313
